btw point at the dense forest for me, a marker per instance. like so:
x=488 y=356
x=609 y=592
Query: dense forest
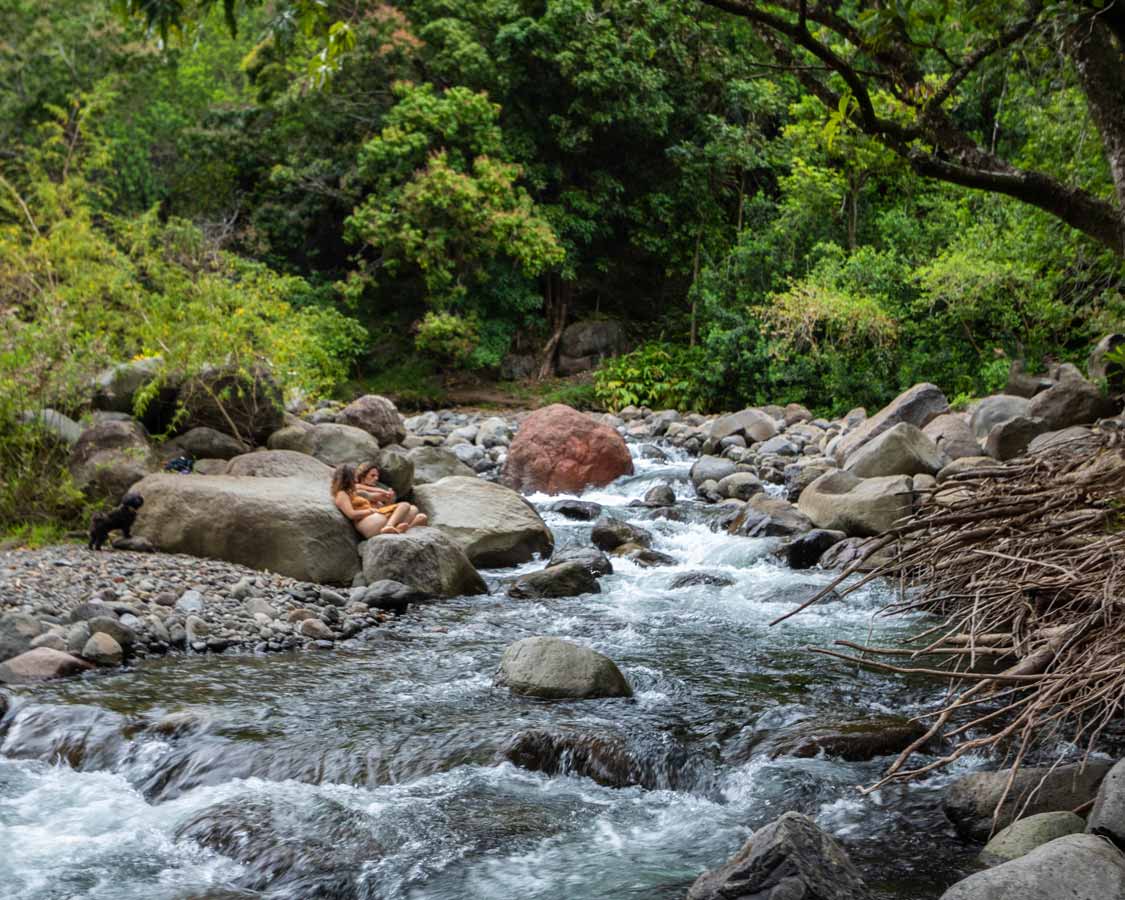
x=821 y=203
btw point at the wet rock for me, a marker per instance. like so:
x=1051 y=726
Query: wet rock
x=609 y=534
x=40 y=664
x=103 y=650
x=279 y=464
x=579 y=510
x=849 y=551
x=435 y=463
x=51 y=639
x=711 y=468
x=753 y=424
x=1076 y=866
x=317 y=630
x=643 y=556
x=1010 y=438
x=1107 y=818
x=560 y=450
x=493 y=524
x=596 y=562
x=902 y=449
x=739 y=486
x=109 y=458
x=424 y=559
x=1024 y=835
x=17 y=631
x=804 y=551
x=289 y=526
x=565 y=580
x=550 y=668
x=377 y=416
x=659 y=495
x=765 y=516
x=788 y=859
x=393 y=596
x=694 y=579
x=991 y=411
x=839 y=501
x=917 y=406
x=969 y=801
x=856 y=740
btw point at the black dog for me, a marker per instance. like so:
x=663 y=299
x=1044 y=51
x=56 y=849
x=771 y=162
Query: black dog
x=102 y=523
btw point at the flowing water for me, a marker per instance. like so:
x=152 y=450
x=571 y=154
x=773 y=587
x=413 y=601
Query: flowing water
x=373 y=771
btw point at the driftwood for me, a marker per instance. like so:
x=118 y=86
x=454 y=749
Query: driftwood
x=1025 y=568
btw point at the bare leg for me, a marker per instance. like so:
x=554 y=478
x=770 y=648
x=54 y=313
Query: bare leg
x=399 y=516
x=371 y=525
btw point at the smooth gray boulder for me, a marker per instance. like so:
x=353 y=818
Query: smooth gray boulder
x=609 y=534
x=859 y=507
x=1024 y=835
x=567 y=579
x=788 y=859
x=1072 y=401
x=103 y=650
x=424 y=559
x=550 y=668
x=284 y=525
x=969 y=801
x=54 y=422
x=991 y=411
x=752 y=424
x=110 y=457
x=711 y=468
x=435 y=463
x=17 y=631
x=1107 y=818
x=376 y=415
x=902 y=449
x=280 y=464
x=953 y=436
x=739 y=486
x=1074 y=867
x=332 y=444
x=202 y=442
x=1010 y=438
x=596 y=562
x=765 y=516
x=917 y=406
x=396 y=470
x=493 y=524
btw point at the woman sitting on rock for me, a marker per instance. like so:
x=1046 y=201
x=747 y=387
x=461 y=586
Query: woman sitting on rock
x=369 y=519
x=367 y=485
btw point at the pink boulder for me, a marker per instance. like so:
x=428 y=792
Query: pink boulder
x=41 y=664
x=559 y=450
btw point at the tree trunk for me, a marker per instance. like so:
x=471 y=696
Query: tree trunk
x=556 y=299
x=853 y=213
x=694 y=280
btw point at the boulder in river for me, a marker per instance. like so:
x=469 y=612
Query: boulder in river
x=331 y=443
x=1024 y=835
x=752 y=424
x=559 y=450
x=696 y=579
x=284 y=525
x=41 y=664
x=424 y=559
x=596 y=562
x=610 y=533
x=839 y=501
x=435 y=463
x=969 y=801
x=551 y=668
x=856 y=740
x=280 y=464
x=805 y=550
x=765 y=516
x=110 y=457
x=711 y=468
x=788 y=859
x=902 y=449
x=493 y=524
x=580 y=510
x=917 y=406
x=393 y=596
x=565 y=580
x=1075 y=866
x=376 y=415
x=17 y=631
x=659 y=495
x=103 y=650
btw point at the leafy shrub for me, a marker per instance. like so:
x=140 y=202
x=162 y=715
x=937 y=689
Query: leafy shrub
x=656 y=375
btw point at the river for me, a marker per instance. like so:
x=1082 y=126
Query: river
x=372 y=771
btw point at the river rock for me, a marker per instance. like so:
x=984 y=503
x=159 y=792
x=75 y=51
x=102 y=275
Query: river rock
x=331 y=443
x=805 y=550
x=902 y=449
x=953 y=436
x=435 y=463
x=316 y=629
x=110 y=457
x=694 y=579
x=279 y=464
x=424 y=559
x=645 y=557
x=1077 y=438
x=970 y=800
x=377 y=416
x=1010 y=438
x=202 y=442
x=559 y=450
x=1072 y=401
x=1101 y=369
x=596 y=562
x=587 y=343
x=917 y=406
x=124 y=636
x=493 y=524
x=285 y=525
x=967 y=464
x=839 y=501
x=579 y=510
x=245 y=405
x=659 y=495
x=856 y=740
x=40 y=664
x=62 y=427
x=788 y=859
x=564 y=580
x=1075 y=867
x=609 y=534
x=711 y=468
x=752 y=424
x=396 y=470
x=103 y=650
x=1024 y=835
x=551 y=668
x=494 y=432
x=991 y=411
x=17 y=631
x=765 y=516
x=1107 y=818
x=739 y=486
x=393 y=596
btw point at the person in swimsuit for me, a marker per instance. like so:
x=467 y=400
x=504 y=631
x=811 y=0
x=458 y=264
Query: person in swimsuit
x=368 y=519
x=402 y=516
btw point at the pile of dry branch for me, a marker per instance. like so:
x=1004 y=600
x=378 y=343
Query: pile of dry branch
x=1025 y=566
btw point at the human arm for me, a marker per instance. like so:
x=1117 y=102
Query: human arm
x=344 y=504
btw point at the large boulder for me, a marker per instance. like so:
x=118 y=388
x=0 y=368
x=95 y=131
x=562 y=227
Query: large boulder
x=859 y=507
x=788 y=859
x=207 y=443
x=17 y=631
x=40 y=664
x=1024 y=835
x=493 y=524
x=116 y=387
x=596 y=562
x=245 y=405
x=550 y=668
x=609 y=534
x=765 y=516
x=396 y=470
x=1010 y=438
x=711 y=468
x=567 y=579
x=1075 y=867
x=284 y=525
x=1072 y=401
x=424 y=559
x=377 y=416
x=1101 y=368
x=584 y=344
x=918 y=407
x=969 y=801
x=560 y=450
x=279 y=464
x=1107 y=818
x=991 y=411
x=752 y=424
x=435 y=463
x=952 y=436
x=110 y=457
x=332 y=444
x=902 y=449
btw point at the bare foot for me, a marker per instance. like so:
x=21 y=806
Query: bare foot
x=390 y=529
x=419 y=520
x=403 y=528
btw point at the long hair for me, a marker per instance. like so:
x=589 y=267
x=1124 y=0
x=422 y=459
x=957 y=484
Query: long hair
x=343 y=479
x=362 y=469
